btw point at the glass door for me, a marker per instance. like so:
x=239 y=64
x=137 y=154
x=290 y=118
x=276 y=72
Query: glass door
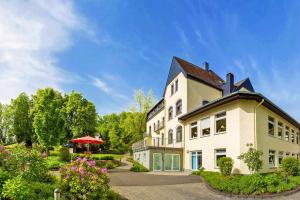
x=157 y=162
x=172 y=162
x=196 y=160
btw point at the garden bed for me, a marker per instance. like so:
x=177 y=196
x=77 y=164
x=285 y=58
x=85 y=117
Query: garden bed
x=256 y=185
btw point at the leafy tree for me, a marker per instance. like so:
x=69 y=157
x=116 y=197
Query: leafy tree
x=6 y=125
x=80 y=115
x=252 y=159
x=48 y=117
x=21 y=121
x=290 y=165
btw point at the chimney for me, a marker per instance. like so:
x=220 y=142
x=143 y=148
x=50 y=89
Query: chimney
x=206 y=66
x=229 y=82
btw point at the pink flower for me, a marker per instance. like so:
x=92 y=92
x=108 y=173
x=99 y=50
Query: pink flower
x=103 y=170
x=78 y=159
x=73 y=168
x=91 y=163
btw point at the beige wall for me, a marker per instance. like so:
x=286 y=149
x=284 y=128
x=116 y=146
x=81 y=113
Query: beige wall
x=239 y=134
x=197 y=92
x=156 y=135
x=265 y=142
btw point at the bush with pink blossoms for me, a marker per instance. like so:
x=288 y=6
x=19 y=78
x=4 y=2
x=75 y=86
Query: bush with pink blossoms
x=82 y=179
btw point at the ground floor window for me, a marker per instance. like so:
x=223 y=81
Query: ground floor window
x=157 y=162
x=280 y=157
x=271 y=158
x=196 y=160
x=219 y=153
x=172 y=162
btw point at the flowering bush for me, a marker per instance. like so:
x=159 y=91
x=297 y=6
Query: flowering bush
x=82 y=179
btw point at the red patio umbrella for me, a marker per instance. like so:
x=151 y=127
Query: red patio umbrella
x=87 y=140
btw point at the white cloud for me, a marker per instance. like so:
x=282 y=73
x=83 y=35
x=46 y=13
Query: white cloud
x=103 y=86
x=31 y=34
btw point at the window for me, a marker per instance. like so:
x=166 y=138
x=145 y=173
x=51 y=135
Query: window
x=163 y=121
x=176 y=85
x=271 y=126
x=293 y=154
x=172 y=89
x=271 y=158
x=297 y=138
x=170 y=137
x=178 y=107
x=221 y=122
x=196 y=160
x=149 y=129
x=170 y=113
x=194 y=130
x=287 y=154
x=219 y=153
x=158 y=124
x=293 y=136
x=205 y=127
x=162 y=139
x=172 y=162
x=280 y=130
x=287 y=133
x=154 y=127
x=280 y=157
x=179 y=134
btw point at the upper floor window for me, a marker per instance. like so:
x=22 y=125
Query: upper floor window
x=271 y=129
x=287 y=133
x=149 y=129
x=280 y=130
x=205 y=127
x=170 y=136
x=172 y=89
x=194 y=130
x=221 y=122
x=170 y=113
x=179 y=107
x=154 y=127
x=162 y=139
x=293 y=136
x=179 y=134
x=176 y=85
x=163 y=121
x=158 y=124
x=297 y=138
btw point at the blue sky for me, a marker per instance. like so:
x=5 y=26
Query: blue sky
x=108 y=49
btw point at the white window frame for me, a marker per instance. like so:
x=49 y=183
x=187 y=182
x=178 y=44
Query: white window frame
x=273 y=123
x=219 y=153
x=272 y=153
x=172 y=155
x=178 y=141
x=201 y=128
x=287 y=130
x=280 y=126
x=292 y=136
x=280 y=155
x=194 y=125
x=220 y=118
x=198 y=152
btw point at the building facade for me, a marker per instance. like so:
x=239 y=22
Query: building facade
x=202 y=117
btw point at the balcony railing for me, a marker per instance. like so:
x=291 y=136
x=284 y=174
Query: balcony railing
x=159 y=127
x=156 y=142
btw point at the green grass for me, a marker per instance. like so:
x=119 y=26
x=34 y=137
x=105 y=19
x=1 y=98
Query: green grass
x=53 y=162
x=115 y=156
x=250 y=184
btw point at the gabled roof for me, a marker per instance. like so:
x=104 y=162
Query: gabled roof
x=245 y=83
x=207 y=76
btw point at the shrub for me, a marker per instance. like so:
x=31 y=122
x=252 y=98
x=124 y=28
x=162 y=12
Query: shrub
x=252 y=159
x=225 y=164
x=42 y=190
x=4 y=155
x=107 y=157
x=54 y=164
x=82 y=179
x=137 y=167
x=110 y=165
x=4 y=176
x=64 y=154
x=290 y=165
x=17 y=188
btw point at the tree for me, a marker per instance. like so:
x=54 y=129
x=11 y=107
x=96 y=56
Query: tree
x=252 y=159
x=21 y=121
x=80 y=115
x=48 y=116
x=6 y=125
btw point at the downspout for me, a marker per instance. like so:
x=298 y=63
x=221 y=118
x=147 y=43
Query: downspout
x=255 y=134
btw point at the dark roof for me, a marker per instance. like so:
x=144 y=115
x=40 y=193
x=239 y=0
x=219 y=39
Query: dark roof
x=207 y=76
x=246 y=83
x=241 y=95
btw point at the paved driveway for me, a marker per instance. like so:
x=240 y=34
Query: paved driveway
x=143 y=186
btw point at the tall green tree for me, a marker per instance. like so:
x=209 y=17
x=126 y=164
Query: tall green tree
x=6 y=125
x=81 y=115
x=48 y=116
x=21 y=122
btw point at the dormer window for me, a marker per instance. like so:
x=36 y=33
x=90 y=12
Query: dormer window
x=170 y=113
x=178 y=107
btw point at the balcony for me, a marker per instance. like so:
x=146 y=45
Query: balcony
x=155 y=142
x=159 y=127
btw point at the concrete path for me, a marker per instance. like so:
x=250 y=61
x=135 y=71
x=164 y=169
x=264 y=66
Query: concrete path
x=143 y=186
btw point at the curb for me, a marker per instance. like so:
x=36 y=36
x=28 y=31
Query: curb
x=261 y=196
